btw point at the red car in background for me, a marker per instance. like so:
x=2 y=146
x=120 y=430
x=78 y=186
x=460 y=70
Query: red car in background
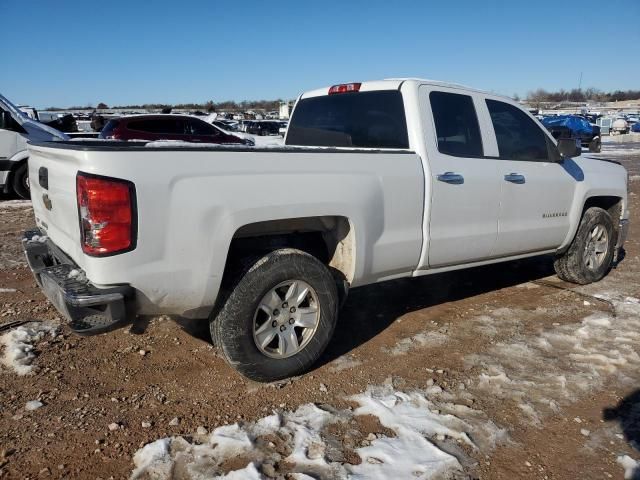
x=167 y=127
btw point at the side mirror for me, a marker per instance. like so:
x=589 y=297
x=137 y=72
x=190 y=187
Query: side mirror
x=569 y=147
x=5 y=120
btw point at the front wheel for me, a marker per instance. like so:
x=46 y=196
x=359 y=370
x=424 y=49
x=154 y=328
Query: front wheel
x=278 y=317
x=590 y=255
x=21 y=181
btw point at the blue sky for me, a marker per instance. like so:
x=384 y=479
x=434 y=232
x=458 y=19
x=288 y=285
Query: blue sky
x=68 y=52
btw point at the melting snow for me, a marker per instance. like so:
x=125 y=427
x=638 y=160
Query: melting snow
x=344 y=362
x=631 y=467
x=7 y=290
x=423 y=339
x=433 y=428
x=541 y=372
x=19 y=344
x=33 y=405
x=15 y=204
x=413 y=453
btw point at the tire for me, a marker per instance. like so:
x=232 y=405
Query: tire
x=577 y=264
x=20 y=181
x=595 y=146
x=242 y=322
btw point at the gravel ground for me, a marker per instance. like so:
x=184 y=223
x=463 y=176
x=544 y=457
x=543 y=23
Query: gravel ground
x=531 y=377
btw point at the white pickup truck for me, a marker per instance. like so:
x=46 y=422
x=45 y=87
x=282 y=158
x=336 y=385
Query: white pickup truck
x=376 y=181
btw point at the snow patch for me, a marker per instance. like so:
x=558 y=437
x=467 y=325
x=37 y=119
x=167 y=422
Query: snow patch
x=423 y=339
x=7 y=204
x=250 y=472
x=33 y=405
x=19 y=345
x=409 y=455
x=421 y=421
x=7 y=290
x=541 y=372
x=38 y=239
x=609 y=149
x=344 y=362
x=413 y=412
x=268 y=141
x=153 y=459
x=631 y=467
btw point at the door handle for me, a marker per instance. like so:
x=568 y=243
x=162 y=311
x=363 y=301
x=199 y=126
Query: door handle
x=514 y=178
x=450 y=177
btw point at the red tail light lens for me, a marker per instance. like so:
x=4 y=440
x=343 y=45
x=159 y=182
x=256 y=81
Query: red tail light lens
x=345 y=88
x=107 y=217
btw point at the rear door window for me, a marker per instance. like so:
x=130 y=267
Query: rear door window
x=359 y=119
x=456 y=124
x=518 y=136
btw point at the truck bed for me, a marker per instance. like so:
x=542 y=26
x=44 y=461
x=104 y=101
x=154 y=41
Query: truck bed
x=191 y=201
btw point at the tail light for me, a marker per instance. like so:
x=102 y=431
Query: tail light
x=345 y=88
x=106 y=207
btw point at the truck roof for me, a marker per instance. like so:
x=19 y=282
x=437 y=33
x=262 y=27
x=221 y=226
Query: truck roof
x=395 y=83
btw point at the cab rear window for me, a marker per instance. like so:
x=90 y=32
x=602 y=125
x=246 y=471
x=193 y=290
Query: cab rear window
x=360 y=119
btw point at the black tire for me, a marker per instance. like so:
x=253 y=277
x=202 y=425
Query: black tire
x=572 y=265
x=20 y=181
x=232 y=325
x=595 y=145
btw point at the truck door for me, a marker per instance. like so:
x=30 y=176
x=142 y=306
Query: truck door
x=463 y=186
x=537 y=188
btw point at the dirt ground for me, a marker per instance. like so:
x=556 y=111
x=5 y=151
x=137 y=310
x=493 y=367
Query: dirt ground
x=459 y=331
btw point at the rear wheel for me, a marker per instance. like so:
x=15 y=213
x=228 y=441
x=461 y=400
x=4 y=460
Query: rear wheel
x=590 y=255
x=595 y=145
x=20 y=182
x=278 y=317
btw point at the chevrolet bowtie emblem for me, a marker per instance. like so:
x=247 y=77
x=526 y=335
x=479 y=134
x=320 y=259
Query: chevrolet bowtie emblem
x=47 y=201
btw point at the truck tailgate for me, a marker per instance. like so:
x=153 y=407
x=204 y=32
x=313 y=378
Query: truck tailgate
x=52 y=174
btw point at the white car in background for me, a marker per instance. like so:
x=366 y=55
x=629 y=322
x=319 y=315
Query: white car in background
x=16 y=129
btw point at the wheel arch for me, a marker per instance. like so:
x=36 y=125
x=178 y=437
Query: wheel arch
x=330 y=238
x=612 y=203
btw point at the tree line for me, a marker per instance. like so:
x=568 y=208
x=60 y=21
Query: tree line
x=581 y=95
x=209 y=106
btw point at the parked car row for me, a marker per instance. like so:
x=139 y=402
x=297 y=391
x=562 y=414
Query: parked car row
x=262 y=127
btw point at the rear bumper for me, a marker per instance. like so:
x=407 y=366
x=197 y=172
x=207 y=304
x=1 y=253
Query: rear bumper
x=89 y=309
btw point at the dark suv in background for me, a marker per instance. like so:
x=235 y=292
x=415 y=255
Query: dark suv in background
x=268 y=127
x=167 y=127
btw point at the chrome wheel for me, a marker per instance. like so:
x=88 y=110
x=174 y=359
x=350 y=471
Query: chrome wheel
x=286 y=319
x=597 y=246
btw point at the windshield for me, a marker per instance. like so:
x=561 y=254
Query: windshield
x=11 y=107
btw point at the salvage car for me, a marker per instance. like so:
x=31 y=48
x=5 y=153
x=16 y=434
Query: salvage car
x=376 y=181
x=16 y=129
x=166 y=127
x=577 y=127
